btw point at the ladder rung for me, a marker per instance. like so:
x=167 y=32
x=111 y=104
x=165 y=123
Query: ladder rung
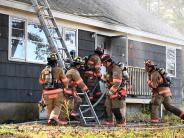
x=56 y=37
x=48 y=17
x=81 y=93
x=61 y=48
x=84 y=105
x=51 y=27
x=42 y=7
x=89 y=117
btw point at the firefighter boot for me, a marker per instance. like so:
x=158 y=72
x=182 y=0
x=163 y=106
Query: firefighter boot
x=109 y=123
x=119 y=119
x=156 y=120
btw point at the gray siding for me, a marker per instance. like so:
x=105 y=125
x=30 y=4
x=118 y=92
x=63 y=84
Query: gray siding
x=86 y=43
x=18 y=81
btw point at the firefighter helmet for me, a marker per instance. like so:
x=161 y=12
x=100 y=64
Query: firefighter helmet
x=52 y=57
x=149 y=63
x=78 y=61
x=105 y=58
x=99 y=51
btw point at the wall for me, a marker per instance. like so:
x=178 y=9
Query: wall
x=86 y=43
x=18 y=82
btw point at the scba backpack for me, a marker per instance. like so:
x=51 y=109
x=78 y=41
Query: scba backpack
x=165 y=76
x=49 y=80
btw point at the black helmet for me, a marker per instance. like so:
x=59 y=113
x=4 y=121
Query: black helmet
x=52 y=57
x=105 y=58
x=99 y=51
x=78 y=61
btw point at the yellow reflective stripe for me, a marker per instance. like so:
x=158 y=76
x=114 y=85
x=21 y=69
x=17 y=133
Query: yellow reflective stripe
x=79 y=81
x=41 y=81
x=97 y=66
x=53 y=116
x=90 y=62
x=113 y=89
x=117 y=80
x=85 y=88
x=47 y=92
x=68 y=91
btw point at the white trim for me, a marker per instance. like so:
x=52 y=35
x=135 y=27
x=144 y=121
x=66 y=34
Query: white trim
x=76 y=37
x=92 y=22
x=138 y=100
x=173 y=48
x=10 y=38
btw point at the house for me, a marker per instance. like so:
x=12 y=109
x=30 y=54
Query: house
x=121 y=27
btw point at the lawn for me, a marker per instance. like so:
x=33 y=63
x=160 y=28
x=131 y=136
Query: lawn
x=36 y=130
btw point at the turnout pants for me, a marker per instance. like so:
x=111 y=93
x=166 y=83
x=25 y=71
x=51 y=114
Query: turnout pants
x=157 y=100
x=70 y=103
x=113 y=106
x=53 y=106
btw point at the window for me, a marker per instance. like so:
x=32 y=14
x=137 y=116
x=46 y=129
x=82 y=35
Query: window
x=70 y=40
x=17 y=42
x=37 y=45
x=171 y=61
x=28 y=42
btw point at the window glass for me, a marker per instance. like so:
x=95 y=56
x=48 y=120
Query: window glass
x=37 y=52
x=17 y=43
x=37 y=45
x=28 y=41
x=35 y=33
x=171 y=61
x=18 y=49
x=70 y=40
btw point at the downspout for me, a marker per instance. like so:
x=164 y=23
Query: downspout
x=126 y=52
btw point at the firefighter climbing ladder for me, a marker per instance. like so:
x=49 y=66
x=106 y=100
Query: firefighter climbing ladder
x=92 y=118
x=57 y=45
x=51 y=30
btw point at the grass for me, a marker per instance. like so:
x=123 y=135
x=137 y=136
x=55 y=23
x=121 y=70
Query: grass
x=44 y=131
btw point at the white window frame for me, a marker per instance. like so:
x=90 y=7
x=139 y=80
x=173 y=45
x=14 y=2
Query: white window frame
x=11 y=18
x=171 y=48
x=76 y=39
x=10 y=39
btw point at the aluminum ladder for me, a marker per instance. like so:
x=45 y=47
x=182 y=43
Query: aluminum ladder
x=91 y=119
x=49 y=25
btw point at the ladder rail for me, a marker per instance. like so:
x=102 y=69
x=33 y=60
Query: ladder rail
x=52 y=45
x=56 y=28
x=92 y=109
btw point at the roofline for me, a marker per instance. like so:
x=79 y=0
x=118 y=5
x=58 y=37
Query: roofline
x=92 y=22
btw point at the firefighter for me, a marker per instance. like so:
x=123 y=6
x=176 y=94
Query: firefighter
x=115 y=97
x=92 y=73
x=161 y=92
x=53 y=80
x=75 y=81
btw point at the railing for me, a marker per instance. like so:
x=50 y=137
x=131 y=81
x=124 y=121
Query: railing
x=138 y=82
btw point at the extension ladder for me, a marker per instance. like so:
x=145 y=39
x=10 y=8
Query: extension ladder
x=92 y=118
x=51 y=31
x=48 y=24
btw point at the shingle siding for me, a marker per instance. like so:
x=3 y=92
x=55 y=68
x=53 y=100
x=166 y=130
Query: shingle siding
x=86 y=43
x=18 y=80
